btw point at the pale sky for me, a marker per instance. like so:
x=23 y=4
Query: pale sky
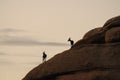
x=28 y=27
x=56 y=20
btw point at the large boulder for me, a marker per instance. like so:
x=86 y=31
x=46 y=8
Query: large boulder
x=86 y=60
x=111 y=23
x=113 y=35
x=91 y=33
x=95 y=57
x=94 y=37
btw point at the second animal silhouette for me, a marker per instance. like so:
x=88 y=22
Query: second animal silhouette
x=44 y=56
x=71 y=42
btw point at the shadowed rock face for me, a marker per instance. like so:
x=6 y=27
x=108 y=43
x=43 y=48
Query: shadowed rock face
x=95 y=57
x=113 y=22
x=113 y=35
x=91 y=33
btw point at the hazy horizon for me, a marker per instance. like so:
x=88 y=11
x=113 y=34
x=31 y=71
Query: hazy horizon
x=29 y=27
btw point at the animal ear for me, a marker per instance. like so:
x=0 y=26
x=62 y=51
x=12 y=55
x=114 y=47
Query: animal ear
x=68 y=39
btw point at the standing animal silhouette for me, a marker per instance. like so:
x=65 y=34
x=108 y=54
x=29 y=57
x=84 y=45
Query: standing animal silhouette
x=44 y=56
x=71 y=42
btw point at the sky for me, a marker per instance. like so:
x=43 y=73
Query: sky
x=29 y=27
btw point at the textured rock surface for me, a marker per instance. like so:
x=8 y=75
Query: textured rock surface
x=113 y=35
x=92 y=33
x=111 y=23
x=91 y=75
x=95 y=57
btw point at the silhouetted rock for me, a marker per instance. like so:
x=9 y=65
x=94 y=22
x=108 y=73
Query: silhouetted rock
x=111 y=23
x=92 y=33
x=95 y=57
x=113 y=35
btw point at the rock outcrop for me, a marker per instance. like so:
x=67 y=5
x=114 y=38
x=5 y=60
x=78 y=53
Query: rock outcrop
x=95 y=57
x=92 y=33
x=113 y=35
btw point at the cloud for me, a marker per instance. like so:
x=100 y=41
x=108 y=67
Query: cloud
x=33 y=63
x=27 y=41
x=2 y=53
x=53 y=44
x=6 y=33
x=6 y=38
x=3 y=62
x=10 y=30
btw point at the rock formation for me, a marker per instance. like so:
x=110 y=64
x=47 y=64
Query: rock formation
x=92 y=33
x=95 y=57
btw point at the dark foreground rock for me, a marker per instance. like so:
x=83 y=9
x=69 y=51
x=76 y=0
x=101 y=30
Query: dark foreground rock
x=95 y=57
